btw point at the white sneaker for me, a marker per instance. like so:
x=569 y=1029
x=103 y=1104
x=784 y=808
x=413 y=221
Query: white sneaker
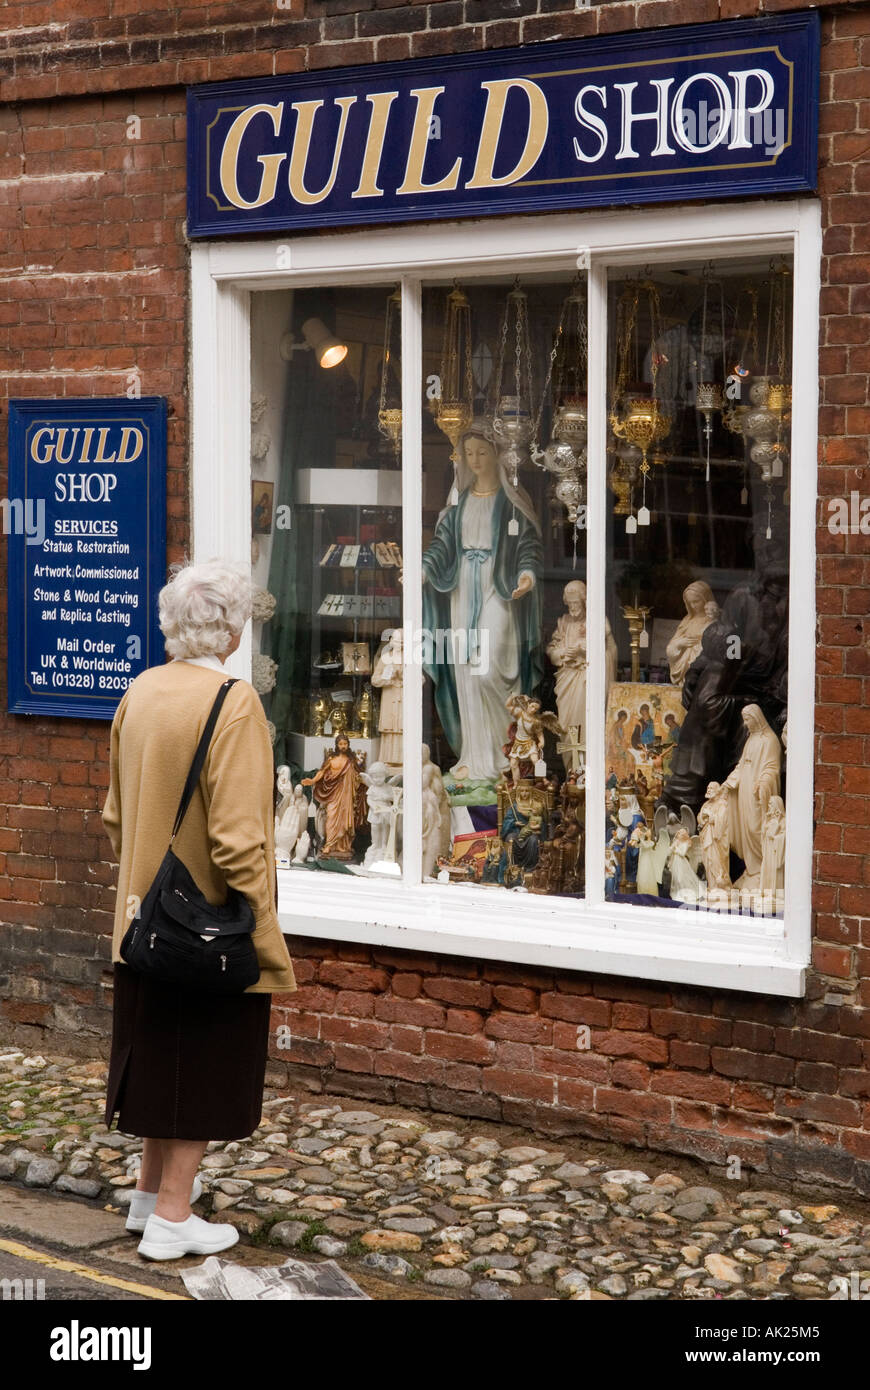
x=142 y=1205
x=170 y=1240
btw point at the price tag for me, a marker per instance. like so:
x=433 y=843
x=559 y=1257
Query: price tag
x=630 y=526
x=540 y=768
x=643 y=517
x=443 y=876
x=513 y=527
x=643 y=639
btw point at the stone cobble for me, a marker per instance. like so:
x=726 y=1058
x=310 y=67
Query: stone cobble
x=452 y=1208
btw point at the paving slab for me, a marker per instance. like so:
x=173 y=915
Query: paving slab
x=55 y=1221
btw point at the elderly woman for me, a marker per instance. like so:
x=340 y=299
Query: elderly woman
x=188 y=1067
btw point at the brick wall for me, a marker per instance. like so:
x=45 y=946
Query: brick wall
x=93 y=285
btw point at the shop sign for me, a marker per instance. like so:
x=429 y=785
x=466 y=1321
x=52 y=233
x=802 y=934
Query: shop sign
x=702 y=111
x=86 y=526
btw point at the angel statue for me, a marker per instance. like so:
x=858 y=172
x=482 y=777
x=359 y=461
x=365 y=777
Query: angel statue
x=682 y=862
x=384 y=802
x=526 y=734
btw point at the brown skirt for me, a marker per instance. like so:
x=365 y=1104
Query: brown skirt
x=185 y=1065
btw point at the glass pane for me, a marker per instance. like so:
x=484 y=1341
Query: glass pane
x=504 y=563
x=697 y=582
x=326 y=538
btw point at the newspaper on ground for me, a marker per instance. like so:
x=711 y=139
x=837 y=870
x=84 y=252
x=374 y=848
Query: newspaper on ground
x=220 y=1279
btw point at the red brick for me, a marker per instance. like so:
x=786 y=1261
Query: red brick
x=576 y=1009
x=643 y=1107
x=454 y=1047
x=464 y=1021
x=519 y=1085
x=474 y=993
x=626 y=1044
x=348 y=975
x=407 y=986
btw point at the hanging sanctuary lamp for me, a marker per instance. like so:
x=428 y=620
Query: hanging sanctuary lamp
x=565 y=455
x=640 y=421
x=512 y=383
x=390 y=416
x=453 y=411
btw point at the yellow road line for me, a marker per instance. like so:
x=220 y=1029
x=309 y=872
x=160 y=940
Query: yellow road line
x=24 y=1252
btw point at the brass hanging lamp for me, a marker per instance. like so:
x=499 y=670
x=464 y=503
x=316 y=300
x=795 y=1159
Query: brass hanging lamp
x=640 y=421
x=390 y=416
x=454 y=408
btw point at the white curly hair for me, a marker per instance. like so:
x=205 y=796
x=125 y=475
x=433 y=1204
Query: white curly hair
x=203 y=607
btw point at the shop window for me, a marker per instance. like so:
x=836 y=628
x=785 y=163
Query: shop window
x=521 y=524
x=699 y=406
x=326 y=538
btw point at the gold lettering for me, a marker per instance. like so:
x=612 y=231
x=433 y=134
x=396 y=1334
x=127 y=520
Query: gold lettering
x=306 y=111
x=61 y=436
x=86 y=444
x=35 y=443
x=368 y=179
x=271 y=163
x=100 y=456
x=413 y=180
x=490 y=132
x=127 y=433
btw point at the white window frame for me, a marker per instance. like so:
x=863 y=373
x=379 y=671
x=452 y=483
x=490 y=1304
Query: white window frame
x=727 y=951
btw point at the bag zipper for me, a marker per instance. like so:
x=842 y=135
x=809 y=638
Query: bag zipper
x=153 y=936
x=223 y=964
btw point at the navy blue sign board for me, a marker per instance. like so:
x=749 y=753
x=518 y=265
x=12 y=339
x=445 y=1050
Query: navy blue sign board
x=700 y=111
x=86 y=551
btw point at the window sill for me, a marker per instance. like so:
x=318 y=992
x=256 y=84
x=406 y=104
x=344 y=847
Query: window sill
x=666 y=944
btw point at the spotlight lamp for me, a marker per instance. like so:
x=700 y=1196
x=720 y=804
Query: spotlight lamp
x=317 y=339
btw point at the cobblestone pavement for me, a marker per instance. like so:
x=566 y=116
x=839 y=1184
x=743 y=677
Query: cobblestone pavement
x=469 y=1208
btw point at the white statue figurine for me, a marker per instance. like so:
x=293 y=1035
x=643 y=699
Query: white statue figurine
x=290 y=823
x=714 y=833
x=752 y=784
x=685 y=884
x=567 y=651
x=381 y=799
x=303 y=845
x=436 y=840
x=388 y=677
x=773 y=854
x=648 y=877
x=285 y=789
x=685 y=645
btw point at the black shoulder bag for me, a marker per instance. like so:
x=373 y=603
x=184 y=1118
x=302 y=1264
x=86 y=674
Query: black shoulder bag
x=177 y=937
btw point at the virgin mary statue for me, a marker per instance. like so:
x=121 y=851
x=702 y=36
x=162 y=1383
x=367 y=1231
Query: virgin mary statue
x=481 y=592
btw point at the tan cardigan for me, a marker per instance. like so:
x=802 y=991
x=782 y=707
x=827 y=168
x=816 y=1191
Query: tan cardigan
x=228 y=834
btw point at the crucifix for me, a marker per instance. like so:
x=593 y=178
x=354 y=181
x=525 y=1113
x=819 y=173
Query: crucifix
x=572 y=747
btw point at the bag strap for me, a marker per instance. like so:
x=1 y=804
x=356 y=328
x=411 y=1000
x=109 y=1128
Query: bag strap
x=199 y=756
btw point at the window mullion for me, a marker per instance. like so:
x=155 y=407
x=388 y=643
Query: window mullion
x=412 y=581
x=596 y=560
